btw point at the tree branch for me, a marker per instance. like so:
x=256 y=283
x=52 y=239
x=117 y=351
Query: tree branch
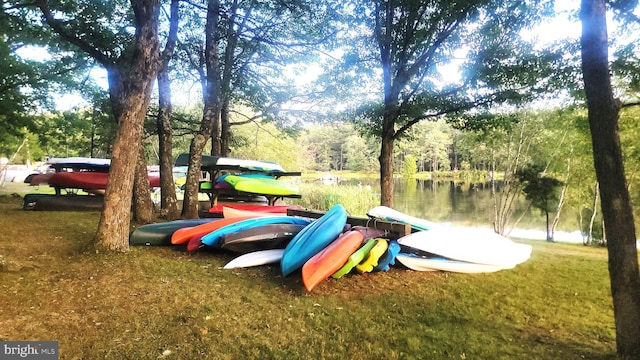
x=629 y=104
x=59 y=28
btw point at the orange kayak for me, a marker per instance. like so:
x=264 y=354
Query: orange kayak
x=183 y=235
x=330 y=259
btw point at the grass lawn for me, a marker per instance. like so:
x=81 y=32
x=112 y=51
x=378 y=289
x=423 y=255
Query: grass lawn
x=163 y=302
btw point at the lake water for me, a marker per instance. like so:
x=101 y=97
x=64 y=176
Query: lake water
x=471 y=204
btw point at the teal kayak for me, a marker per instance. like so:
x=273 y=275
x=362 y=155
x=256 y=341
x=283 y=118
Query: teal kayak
x=215 y=238
x=312 y=239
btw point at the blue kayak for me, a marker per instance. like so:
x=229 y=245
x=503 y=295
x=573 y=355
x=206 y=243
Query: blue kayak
x=313 y=238
x=213 y=239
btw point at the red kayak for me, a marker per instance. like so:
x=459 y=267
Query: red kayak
x=195 y=243
x=280 y=209
x=330 y=259
x=88 y=180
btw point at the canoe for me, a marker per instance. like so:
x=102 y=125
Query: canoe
x=160 y=233
x=214 y=238
x=88 y=180
x=313 y=239
x=83 y=162
x=420 y=263
x=389 y=214
x=371 y=260
x=272 y=236
x=475 y=245
x=323 y=264
x=184 y=235
x=69 y=202
x=354 y=259
x=263 y=186
x=389 y=257
x=222 y=163
x=281 y=209
x=29 y=201
x=257 y=258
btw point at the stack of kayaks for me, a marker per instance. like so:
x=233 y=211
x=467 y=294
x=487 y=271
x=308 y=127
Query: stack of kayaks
x=461 y=249
x=329 y=247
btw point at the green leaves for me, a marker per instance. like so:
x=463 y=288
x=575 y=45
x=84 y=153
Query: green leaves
x=540 y=189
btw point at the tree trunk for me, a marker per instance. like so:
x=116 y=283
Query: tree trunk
x=594 y=212
x=168 y=201
x=563 y=193
x=386 y=171
x=615 y=202
x=130 y=86
x=190 y=204
x=169 y=209
x=143 y=208
x=549 y=237
x=210 y=125
x=225 y=128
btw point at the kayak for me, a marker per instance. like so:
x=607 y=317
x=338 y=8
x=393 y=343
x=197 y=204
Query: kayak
x=313 y=239
x=160 y=233
x=214 y=238
x=184 y=235
x=421 y=263
x=389 y=214
x=330 y=259
x=389 y=257
x=263 y=186
x=88 y=180
x=371 y=260
x=468 y=244
x=266 y=237
x=256 y=258
x=281 y=209
x=355 y=259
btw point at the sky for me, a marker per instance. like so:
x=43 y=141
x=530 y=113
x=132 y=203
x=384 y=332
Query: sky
x=564 y=25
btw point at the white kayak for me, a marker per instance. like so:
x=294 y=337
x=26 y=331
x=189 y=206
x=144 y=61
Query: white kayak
x=420 y=263
x=389 y=214
x=474 y=245
x=256 y=258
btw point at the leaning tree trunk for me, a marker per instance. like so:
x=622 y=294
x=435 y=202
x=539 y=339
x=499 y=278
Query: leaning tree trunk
x=563 y=193
x=615 y=202
x=130 y=86
x=190 y=203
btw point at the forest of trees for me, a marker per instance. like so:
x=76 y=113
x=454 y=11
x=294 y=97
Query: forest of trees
x=359 y=85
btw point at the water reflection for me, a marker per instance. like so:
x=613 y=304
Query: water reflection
x=464 y=203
